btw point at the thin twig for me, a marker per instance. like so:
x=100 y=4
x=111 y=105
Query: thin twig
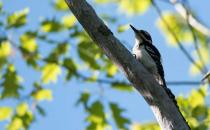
x=182 y=48
x=195 y=39
x=206 y=77
x=106 y=81
x=193 y=21
x=172 y=83
x=181 y=83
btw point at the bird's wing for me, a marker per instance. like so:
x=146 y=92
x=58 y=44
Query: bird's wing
x=155 y=55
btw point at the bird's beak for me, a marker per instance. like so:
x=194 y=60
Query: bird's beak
x=134 y=29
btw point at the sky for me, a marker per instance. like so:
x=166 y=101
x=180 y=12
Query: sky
x=62 y=113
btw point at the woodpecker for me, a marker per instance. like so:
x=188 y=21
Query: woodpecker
x=146 y=53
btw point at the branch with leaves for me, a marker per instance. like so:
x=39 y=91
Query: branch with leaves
x=182 y=48
x=181 y=9
x=201 y=67
x=168 y=116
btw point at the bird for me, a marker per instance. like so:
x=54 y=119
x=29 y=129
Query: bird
x=146 y=53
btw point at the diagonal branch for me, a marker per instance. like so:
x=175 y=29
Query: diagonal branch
x=195 y=39
x=166 y=112
x=205 y=70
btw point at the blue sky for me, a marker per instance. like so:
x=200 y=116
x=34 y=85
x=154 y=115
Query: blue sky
x=62 y=113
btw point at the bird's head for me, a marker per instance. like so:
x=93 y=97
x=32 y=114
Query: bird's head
x=142 y=36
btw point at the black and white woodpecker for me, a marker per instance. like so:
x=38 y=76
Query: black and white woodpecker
x=146 y=53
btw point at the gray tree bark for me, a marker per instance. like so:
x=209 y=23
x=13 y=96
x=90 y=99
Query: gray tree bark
x=165 y=111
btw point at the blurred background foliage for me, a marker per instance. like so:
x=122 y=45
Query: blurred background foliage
x=74 y=55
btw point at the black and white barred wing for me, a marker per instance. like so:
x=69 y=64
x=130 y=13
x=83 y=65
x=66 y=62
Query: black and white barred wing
x=155 y=55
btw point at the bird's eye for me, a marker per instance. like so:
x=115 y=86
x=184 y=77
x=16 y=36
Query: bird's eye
x=140 y=44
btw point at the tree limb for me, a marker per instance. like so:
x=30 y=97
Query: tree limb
x=165 y=111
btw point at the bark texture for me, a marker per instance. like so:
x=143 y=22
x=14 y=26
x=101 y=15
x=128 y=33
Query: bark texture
x=165 y=111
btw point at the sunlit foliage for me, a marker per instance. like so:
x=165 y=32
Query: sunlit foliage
x=58 y=48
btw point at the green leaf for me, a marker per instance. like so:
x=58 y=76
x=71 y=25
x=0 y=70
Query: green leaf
x=28 y=42
x=93 y=126
x=89 y=53
x=69 y=21
x=43 y=94
x=202 y=38
x=183 y=105
x=146 y=126
x=122 y=86
x=205 y=54
x=62 y=48
x=5 y=49
x=15 y=124
x=200 y=112
x=174 y=22
x=10 y=83
x=120 y=121
x=96 y=116
x=5 y=52
x=84 y=97
x=17 y=19
x=50 y=73
x=195 y=109
x=32 y=60
x=61 y=5
x=103 y=1
x=21 y=122
x=22 y=109
x=196 y=98
x=111 y=69
x=134 y=6
x=51 y=26
x=122 y=28
x=203 y=90
x=1 y=5
x=58 y=51
x=5 y=113
x=93 y=77
x=202 y=126
x=29 y=48
x=27 y=119
x=69 y=64
x=194 y=70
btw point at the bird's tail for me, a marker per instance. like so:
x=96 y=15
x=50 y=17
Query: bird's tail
x=171 y=95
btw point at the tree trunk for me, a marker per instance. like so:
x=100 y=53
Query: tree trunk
x=165 y=111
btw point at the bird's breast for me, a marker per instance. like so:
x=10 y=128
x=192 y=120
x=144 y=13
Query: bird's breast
x=145 y=59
